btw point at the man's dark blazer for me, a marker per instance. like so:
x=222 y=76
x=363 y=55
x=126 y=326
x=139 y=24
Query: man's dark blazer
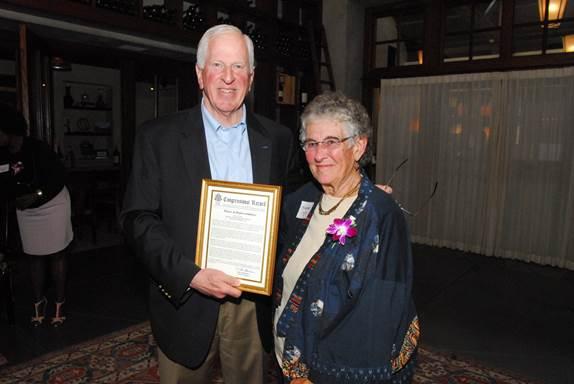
x=160 y=216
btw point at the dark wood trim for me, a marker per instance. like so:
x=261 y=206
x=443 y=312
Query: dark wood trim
x=506 y=31
x=36 y=122
x=433 y=42
x=48 y=99
x=79 y=13
x=491 y=65
x=22 y=76
x=39 y=89
x=128 y=112
x=37 y=118
x=435 y=13
x=368 y=54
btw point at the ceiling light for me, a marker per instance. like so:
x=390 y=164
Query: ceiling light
x=556 y=10
x=58 y=63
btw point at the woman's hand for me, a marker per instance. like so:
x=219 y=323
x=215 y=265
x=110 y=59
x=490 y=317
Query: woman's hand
x=387 y=188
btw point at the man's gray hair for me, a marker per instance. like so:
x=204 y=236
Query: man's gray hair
x=217 y=30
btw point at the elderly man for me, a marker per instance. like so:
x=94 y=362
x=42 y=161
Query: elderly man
x=198 y=315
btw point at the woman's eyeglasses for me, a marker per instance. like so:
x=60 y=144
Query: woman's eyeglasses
x=423 y=204
x=329 y=143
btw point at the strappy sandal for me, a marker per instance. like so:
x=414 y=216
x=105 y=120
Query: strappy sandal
x=58 y=318
x=39 y=312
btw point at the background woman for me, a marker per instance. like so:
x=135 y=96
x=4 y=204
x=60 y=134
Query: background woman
x=344 y=312
x=37 y=185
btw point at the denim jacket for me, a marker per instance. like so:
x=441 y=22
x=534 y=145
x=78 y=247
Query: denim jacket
x=350 y=317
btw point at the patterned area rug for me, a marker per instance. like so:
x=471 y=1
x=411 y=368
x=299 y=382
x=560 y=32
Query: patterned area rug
x=128 y=357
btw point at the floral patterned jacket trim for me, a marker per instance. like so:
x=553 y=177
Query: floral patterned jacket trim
x=409 y=346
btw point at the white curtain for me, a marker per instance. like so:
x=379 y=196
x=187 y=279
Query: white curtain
x=500 y=147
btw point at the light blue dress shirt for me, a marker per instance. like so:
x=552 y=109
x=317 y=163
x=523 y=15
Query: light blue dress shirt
x=227 y=149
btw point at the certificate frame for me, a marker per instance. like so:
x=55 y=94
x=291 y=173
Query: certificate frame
x=229 y=237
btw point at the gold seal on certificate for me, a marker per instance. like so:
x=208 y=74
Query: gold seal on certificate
x=237 y=231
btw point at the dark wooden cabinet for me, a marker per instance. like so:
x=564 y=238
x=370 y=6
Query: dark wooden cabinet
x=278 y=28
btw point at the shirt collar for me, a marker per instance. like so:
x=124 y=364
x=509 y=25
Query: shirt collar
x=214 y=125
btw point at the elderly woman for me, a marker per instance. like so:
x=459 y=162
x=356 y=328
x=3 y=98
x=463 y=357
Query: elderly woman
x=344 y=312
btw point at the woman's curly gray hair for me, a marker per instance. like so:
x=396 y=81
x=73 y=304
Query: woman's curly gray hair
x=338 y=107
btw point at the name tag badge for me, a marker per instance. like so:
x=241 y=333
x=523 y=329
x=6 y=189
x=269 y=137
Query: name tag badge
x=304 y=209
x=4 y=168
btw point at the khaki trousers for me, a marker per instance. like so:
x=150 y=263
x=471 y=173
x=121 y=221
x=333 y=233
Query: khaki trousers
x=237 y=345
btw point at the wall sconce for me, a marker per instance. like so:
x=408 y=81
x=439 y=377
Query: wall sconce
x=568 y=43
x=556 y=10
x=457 y=129
x=57 y=63
x=415 y=125
x=420 y=56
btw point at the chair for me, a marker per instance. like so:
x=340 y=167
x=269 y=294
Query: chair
x=104 y=200
x=95 y=201
x=83 y=214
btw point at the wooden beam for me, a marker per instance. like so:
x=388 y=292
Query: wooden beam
x=22 y=76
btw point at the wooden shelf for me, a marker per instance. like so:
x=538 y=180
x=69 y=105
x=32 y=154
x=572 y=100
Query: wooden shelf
x=78 y=107
x=93 y=168
x=87 y=133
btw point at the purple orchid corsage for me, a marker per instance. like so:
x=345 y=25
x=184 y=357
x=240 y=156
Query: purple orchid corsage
x=341 y=229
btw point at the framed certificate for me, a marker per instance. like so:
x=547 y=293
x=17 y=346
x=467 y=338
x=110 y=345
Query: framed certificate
x=237 y=231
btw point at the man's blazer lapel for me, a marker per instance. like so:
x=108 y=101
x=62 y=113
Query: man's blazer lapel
x=261 y=150
x=193 y=146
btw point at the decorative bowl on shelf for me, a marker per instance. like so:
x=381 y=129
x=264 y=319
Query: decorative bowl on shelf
x=83 y=125
x=102 y=126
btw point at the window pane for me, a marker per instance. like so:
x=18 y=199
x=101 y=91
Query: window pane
x=409 y=52
x=386 y=29
x=486 y=45
x=411 y=27
x=488 y=14
x=386 y=55
x=411 y=34
x=527 y=40
x=398 y=40
x=456 y=48
x=526 y=11
x=458 y=19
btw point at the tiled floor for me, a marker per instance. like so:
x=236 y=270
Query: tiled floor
x=516 y=316
x=506 y=314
